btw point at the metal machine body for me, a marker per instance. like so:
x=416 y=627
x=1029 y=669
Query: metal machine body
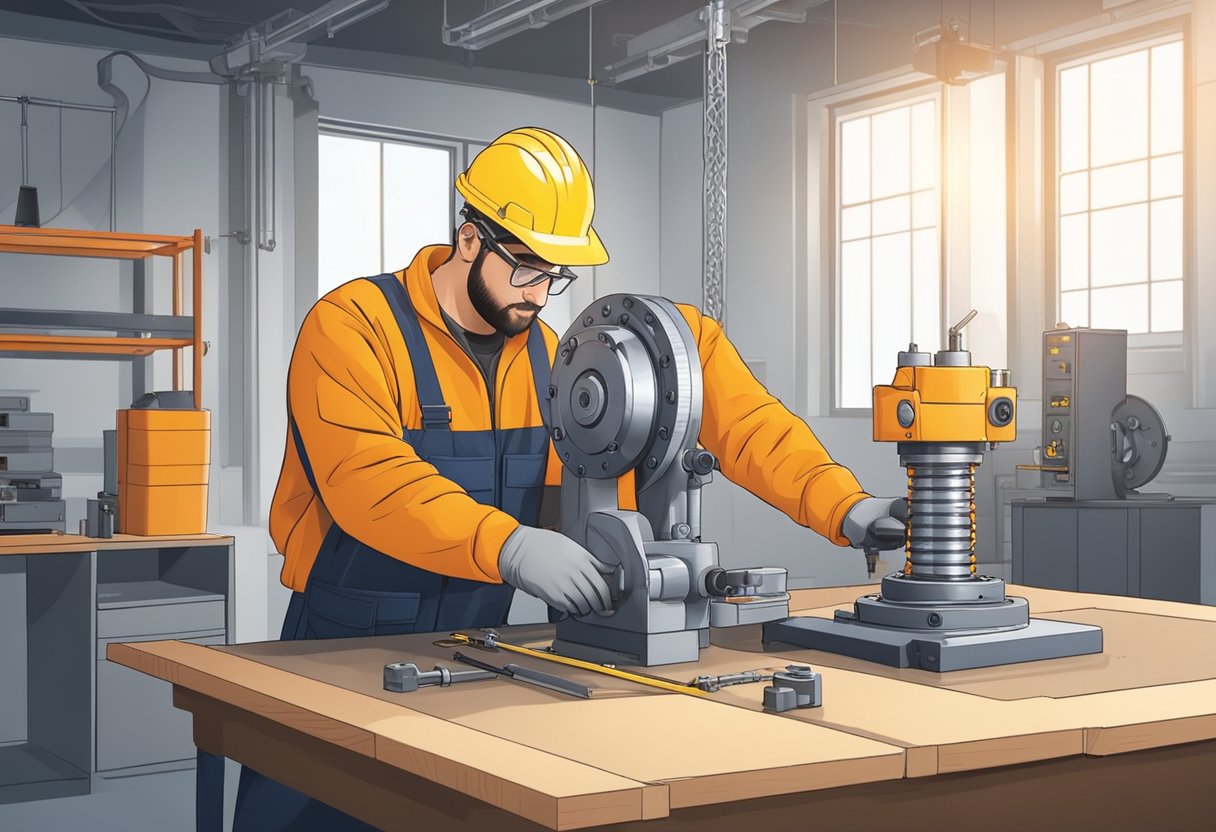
x=937 y=613
x=625 y=397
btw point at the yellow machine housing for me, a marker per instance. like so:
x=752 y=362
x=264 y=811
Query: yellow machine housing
x=947 y=404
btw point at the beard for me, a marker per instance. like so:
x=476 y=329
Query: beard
x=509 y=319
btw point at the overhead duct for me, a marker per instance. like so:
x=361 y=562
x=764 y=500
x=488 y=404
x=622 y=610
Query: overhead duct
x=505 y=18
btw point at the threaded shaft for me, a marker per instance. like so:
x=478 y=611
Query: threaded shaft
x=941 y=511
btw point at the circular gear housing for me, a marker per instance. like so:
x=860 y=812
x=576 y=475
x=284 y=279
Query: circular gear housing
x=625 y=393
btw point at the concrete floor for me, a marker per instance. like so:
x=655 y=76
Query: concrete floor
x=162 y=802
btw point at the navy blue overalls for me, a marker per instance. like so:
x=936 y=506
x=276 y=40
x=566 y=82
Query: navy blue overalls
x=354 y=590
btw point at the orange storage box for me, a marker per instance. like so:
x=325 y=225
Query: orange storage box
x=163 y=460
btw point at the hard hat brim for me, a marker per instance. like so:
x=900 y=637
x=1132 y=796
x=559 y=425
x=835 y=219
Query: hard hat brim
x=552 y=248
x=561 y=251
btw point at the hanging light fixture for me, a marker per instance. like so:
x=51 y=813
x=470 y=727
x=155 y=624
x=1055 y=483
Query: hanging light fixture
x=27 y=199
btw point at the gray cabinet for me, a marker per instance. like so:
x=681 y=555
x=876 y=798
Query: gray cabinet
x=137 y=724
x=1162 y=549
x=144 y=595
x=84 y=715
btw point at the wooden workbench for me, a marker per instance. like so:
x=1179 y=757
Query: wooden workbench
x=1002 y=746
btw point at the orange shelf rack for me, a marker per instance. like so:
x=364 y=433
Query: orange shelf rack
x=112 y=245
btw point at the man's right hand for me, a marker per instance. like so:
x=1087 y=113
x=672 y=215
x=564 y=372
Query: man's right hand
x=555 y=569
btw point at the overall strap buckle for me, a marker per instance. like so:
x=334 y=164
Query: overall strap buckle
x=436 y=416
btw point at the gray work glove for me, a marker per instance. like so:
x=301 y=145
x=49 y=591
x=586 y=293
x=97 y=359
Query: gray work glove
x=877 y=523
x=555 y=569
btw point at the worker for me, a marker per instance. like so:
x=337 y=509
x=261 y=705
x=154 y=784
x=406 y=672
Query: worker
x=416 y=454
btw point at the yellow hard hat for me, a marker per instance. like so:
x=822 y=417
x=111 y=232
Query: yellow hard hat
x=533 y=184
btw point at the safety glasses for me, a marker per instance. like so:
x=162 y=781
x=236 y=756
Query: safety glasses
x=521 y=273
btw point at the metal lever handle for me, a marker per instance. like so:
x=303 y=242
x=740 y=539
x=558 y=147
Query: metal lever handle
x=955 y=332
x=403 y=677
x=529 y=675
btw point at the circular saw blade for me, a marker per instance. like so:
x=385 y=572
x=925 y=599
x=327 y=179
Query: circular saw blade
x=1140 y=443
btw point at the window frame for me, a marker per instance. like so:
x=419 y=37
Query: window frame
x=1079 y=53
x=461 y=151
x=904 y=91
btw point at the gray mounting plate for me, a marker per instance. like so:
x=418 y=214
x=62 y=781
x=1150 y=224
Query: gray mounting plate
x=939 y=651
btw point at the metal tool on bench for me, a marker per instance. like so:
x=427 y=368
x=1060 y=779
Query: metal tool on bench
x=530 y=675
x=403 y=677
x=700 y=686
x=713 y=684
x=795 y=687
x=489 y=640
x=626 y=396
x=937 y=613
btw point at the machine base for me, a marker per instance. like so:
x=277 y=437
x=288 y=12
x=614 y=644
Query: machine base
x=939 y=651
x=605 y=645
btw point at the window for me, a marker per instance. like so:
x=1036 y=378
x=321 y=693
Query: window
x=1119 y=189
x=888 y=274
x=380 y=199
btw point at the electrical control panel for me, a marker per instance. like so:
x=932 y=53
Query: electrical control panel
x=1084 y=380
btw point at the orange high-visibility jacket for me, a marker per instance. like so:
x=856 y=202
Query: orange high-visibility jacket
x=351 y=389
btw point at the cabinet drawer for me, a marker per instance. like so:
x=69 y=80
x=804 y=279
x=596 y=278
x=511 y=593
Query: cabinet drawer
x=136 y=722
x=160 y=618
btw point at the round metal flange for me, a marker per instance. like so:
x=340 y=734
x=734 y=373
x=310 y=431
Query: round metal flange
x=625 y=392
x=1010 y=613
x=976 y=590
x=1140 y=443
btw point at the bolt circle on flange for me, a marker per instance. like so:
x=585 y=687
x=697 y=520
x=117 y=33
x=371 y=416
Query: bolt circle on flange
x=615 y=376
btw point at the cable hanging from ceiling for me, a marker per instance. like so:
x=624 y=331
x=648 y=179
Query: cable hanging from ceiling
x=717 y=21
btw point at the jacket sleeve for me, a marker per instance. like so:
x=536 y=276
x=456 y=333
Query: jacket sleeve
x=343 y=393
x=764 y=447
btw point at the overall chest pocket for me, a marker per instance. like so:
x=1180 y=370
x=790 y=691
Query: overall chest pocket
x=523 y=479
x=524 y=470
x=475 y=474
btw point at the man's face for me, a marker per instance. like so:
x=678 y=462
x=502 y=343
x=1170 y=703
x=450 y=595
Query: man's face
x=509 y=309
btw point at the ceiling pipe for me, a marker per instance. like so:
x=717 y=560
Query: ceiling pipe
x=507 y=18
x=685 y=37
